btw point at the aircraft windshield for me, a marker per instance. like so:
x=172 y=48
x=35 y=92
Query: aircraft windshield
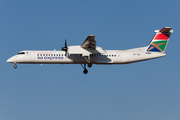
x=20 y=53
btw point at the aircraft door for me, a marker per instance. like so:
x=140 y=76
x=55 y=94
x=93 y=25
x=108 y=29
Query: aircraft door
x=32 y=56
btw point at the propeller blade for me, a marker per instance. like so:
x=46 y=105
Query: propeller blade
x=65 y=48
x=65 y=43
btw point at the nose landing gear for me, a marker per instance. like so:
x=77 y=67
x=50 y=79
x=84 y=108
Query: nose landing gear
x=15 y=66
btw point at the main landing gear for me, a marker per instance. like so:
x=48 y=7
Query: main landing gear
x=85 y=71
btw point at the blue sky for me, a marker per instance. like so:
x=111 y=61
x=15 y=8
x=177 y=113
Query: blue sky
x=139 y=91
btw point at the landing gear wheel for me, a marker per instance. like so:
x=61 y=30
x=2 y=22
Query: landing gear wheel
x=85 y=71
x=89 y=65
x=15 y=66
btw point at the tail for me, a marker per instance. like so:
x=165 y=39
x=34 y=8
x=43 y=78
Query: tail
x=160 y=40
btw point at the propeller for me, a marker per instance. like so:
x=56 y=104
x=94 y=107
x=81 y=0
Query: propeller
x=65 y=48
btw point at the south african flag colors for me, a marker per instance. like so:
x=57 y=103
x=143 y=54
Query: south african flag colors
x=159 y=42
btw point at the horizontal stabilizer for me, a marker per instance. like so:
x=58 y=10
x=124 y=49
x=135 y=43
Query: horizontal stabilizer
x=165 y=30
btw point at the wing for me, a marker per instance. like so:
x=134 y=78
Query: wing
x=89 y=42
x=88 y=47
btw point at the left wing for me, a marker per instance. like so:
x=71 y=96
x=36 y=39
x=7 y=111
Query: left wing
x=89 y=42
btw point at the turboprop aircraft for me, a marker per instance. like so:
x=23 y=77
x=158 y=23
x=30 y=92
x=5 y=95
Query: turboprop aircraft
x=88 y=53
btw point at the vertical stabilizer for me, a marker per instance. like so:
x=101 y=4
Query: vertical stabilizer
x=160 y=40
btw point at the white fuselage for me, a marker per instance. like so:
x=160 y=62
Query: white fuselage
x=88 y=53
x=61 y=57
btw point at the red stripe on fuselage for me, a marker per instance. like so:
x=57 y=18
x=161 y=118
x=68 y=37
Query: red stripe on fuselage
x=161 y=36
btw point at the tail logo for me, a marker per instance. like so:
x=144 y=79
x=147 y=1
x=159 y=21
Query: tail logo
x=157 y=46
x=159 y=42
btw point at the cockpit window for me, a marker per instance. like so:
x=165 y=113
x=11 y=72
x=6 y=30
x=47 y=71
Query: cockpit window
x=20 y=53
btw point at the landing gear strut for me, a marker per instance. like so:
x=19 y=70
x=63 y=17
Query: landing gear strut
x=85 y=70
x=15 y=66
x=87 y=58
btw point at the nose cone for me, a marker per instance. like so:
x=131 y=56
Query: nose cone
x=11 y=60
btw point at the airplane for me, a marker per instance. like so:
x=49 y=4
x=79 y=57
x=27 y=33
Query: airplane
x=88 y=53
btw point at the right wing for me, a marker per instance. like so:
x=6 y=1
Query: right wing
x=88 y=47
